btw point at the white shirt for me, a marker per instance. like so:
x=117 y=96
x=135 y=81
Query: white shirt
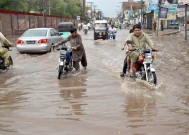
x=112 y=30
x=85 y=27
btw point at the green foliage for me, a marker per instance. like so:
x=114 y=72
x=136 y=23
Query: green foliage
x=71 y=8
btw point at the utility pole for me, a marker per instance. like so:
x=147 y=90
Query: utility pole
x=186 y=21
x=159 y=7
x=42 y=8
x=91 y=4
x=94 y=13
x=49 y=7
x=141 y=11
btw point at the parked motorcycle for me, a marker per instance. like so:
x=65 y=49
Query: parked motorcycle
x=2 y=61
x=65 y=60
x=144 y=68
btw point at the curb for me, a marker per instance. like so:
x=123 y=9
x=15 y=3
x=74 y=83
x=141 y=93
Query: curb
x=170 y=33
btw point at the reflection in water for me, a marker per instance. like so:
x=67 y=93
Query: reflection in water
x=6 y=128
x=73 y=92
x=10 y=100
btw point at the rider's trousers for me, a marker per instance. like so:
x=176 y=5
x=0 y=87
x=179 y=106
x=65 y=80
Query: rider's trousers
x=4 y=53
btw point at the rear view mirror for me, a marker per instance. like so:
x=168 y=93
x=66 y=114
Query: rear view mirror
x=60 y=34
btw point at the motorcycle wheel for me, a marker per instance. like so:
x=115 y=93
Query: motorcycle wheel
x=152 y=78
x=60 y=71
x=10 y=61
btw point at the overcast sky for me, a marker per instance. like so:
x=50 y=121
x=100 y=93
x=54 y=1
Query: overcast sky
x=108 y=7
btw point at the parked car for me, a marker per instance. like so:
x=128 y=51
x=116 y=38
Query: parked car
x=37 y=40
x=64 y=29
x=100 y=29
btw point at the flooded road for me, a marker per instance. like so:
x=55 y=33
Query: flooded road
x=96 y=101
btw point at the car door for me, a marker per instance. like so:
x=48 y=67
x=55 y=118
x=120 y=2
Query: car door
x=52 y=37
x=57 y=37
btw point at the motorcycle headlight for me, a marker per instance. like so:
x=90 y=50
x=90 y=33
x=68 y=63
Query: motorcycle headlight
x=148 y=56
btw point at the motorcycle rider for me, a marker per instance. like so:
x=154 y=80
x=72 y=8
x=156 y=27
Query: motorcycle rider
x=112 y=31
x=139 y=40
x=85 y=27
x=78 y=51
x=4 y=46
x=125 y=60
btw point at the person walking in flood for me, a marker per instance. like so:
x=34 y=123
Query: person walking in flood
x=78 y=51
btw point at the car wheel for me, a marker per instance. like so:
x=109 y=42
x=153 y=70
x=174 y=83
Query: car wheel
x=50 y=50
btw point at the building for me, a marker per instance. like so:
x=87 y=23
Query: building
x=131 y=12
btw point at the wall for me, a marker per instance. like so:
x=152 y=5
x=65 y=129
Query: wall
x=15 y=23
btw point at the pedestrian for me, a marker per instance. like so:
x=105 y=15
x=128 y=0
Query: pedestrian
x=140 y=24
x=154 y=25
x=162 y=25
x=78 y=51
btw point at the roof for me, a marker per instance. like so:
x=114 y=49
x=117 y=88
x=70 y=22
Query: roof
x=40 y=28
x=101 y=21
x=65 y=23
x=129 y=5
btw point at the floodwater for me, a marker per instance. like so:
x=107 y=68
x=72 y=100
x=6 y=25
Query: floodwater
x=96 y=101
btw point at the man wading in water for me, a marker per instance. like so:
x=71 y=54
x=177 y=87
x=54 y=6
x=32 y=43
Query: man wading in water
x=78 y=51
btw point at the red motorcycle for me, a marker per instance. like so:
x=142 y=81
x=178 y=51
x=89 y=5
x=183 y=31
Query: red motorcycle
x=144 y=69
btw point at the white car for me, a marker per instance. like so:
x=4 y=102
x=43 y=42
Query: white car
x=37 y=40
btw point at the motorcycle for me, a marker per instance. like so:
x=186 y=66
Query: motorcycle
x=85 y=31
x=65 y=60
x=2 y=64
x=112 y=36
x=144 y=69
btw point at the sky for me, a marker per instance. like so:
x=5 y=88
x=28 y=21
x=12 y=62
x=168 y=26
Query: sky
x=108 y=7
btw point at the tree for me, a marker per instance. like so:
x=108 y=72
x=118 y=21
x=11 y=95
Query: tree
x=71 y=8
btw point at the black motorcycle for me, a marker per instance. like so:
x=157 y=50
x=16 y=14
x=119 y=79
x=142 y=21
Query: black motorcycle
x=65 y=60
x=2 y=61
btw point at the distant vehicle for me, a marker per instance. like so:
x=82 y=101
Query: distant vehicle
x=64 y=29
x=37 y=40
x=100 y=29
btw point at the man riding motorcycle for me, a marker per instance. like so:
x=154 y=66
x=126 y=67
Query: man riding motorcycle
x=4 y=45
x=139 y=40
x=112 y=31
x=85 y=28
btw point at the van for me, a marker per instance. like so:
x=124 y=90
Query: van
x=64 y=29
x=100 y=29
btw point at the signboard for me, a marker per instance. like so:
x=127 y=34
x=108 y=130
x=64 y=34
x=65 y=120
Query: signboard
x=163 y=12
x=172 y=11
x=183 y=2
x=180 y=10
x=153 y=5
x=78 y=18
x=173 y=24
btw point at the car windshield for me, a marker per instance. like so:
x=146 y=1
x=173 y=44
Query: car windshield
x=65 y=28
x=100 y=25
x=35 y=33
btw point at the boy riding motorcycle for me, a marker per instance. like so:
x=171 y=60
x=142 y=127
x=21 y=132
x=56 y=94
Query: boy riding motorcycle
x=4 y=45
x=136 y=41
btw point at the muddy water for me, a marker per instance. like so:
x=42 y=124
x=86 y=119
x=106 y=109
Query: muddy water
x=96 y=101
